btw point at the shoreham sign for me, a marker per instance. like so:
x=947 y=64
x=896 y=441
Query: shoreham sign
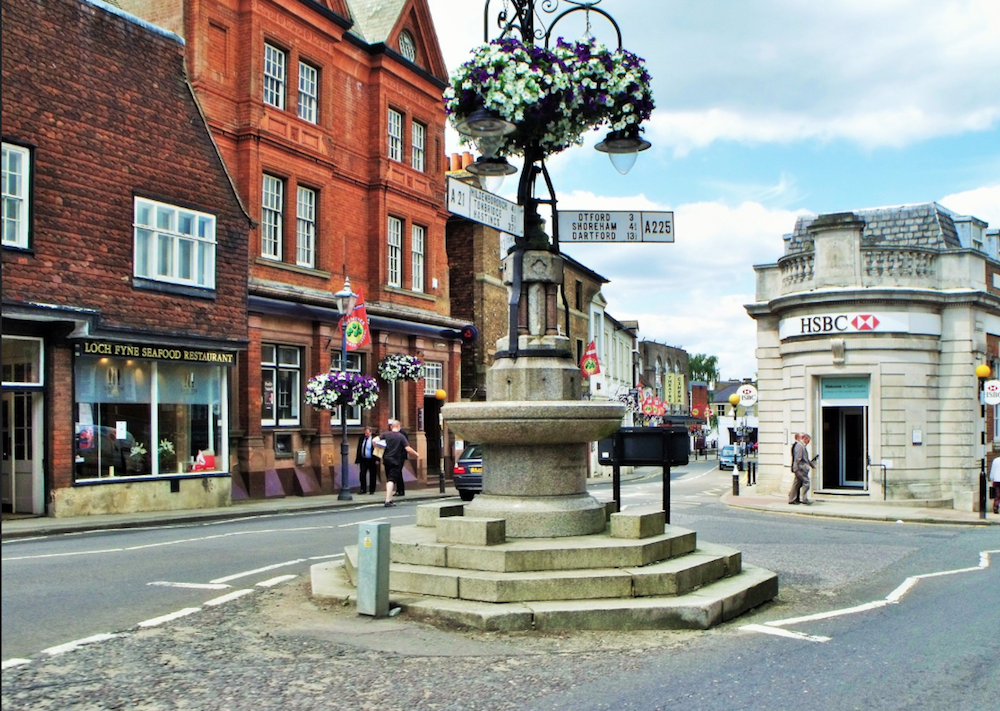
x=485 y=208
x=615 y=226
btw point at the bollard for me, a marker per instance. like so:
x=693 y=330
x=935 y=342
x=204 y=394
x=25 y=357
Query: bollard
x=736 y=483
x=373 y=569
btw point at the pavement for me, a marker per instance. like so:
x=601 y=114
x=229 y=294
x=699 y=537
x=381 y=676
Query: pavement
x=824 y=507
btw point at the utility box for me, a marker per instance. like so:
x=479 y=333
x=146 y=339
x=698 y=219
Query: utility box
x=373 y=569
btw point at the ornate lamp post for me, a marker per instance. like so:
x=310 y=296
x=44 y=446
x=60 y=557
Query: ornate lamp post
x=529 y=93
x=983 y=372
x=346 y=299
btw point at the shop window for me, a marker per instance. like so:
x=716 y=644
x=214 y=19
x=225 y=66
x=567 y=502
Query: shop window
x=274 y=76
x=174 y=244
x=281 y=390
x=308 y=92
x=137 y=418
x=16 y=200
x=22 y=361
x=354 y=364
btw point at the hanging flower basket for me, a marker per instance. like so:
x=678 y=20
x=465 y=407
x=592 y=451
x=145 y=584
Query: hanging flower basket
x=397 y=366
x=327 y=391
x=553 y=96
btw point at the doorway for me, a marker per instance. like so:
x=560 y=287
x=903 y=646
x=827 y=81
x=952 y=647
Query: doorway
x=844 y=447
x=432 y=434
x=21 y=478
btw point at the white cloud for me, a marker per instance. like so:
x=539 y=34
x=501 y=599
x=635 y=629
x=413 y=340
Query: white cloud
x=983 y=203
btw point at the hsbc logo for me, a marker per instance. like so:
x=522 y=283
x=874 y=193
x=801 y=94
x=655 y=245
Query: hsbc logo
x=839 y=323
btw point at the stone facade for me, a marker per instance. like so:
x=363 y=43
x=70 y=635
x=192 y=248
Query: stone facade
x=868 y=333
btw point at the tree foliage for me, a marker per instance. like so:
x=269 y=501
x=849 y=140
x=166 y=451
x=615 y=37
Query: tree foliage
x=704 y=368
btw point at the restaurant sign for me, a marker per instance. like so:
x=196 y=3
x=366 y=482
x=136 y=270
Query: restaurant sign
x=156 y=352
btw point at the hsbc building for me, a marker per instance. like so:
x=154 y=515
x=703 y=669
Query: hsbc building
x=869 y=329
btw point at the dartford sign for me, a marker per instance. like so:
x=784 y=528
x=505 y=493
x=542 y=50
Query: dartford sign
x=860 y=322
x=609 y=226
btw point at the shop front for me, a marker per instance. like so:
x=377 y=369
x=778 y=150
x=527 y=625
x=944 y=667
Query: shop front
x=151 y=425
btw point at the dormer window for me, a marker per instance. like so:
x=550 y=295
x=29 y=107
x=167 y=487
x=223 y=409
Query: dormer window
x=407 y=48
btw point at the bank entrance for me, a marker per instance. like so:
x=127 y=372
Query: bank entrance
x=844 y=439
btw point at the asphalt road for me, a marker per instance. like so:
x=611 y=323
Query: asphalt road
x=869 y=616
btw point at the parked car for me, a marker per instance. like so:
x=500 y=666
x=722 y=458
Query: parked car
x=729 y=457
x=468 y=472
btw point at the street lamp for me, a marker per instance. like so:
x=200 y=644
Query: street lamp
x=983 y=372
x=346 y=299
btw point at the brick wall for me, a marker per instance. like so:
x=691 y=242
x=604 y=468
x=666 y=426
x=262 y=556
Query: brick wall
x=104 y=102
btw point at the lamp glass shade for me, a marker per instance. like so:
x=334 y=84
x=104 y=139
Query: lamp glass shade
x=346 y=298
x=983 y=371
x=491 y=183
x=623 y=147
x=484 y=123
x=484 y=167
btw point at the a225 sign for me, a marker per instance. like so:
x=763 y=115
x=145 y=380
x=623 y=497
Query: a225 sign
x=614 y=226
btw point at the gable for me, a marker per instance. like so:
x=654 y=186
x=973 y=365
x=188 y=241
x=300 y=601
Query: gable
x=386 y=21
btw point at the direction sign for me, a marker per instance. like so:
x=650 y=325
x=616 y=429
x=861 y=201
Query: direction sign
x=991 y=392
x=485 y=207
x=610 y=226
x=748 y=395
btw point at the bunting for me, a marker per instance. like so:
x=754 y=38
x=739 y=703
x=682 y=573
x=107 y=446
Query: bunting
x=356 y=326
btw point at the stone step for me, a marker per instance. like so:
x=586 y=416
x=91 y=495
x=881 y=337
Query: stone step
x=675 y=576
x=413 y=545
x=703 y=608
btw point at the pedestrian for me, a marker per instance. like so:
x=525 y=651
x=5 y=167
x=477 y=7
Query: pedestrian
x=995 y=483
x=396 y=448
x=367 y=462
x=801 y=465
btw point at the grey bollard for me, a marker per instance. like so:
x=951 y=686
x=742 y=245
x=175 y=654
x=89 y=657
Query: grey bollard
x=373 y=569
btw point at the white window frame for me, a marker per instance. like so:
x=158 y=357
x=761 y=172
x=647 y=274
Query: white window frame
x=308 y=92
x=394 y=262
x=418 y=146
x=173 y=244
x=433 y=377
x=16 y=195
x=418 y=240
x=305 y=231
x=395 y=135
x=355 y=363
x=277 y=364
x=271 y=216
x=274 y=76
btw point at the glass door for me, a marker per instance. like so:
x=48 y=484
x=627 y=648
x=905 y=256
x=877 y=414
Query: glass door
x=21 y=477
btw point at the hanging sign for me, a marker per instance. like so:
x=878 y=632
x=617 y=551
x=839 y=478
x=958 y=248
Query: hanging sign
x=748 y=395
x=991 y=392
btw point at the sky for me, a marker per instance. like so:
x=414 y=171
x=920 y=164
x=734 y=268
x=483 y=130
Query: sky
x=767 y=110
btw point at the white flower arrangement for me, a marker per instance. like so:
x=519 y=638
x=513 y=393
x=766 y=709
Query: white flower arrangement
x=166 y=447
x=327 y=391
x=552 y=96
x=138 y=450
x=398 y=366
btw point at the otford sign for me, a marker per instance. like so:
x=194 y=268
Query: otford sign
x=861 y=322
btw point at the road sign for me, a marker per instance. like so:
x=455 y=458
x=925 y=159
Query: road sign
x=748 y=395
x=485 y=207
x=608 y=226
x=991 y=392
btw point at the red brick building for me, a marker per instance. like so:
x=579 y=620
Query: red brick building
x=124 y=277
x=329 y=116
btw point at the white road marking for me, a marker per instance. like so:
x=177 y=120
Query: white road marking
x=778 y=632
x=229 y=596
x=266 y=568
x=195 y=586
x=276 y=581
x=75 y=644
x=326 y=557
x=169 y=618
x=892 y=598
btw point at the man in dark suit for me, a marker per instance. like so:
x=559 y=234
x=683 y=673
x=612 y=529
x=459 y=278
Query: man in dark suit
x=367 y=462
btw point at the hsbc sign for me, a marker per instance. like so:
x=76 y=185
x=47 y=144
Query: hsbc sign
x=859 y=322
